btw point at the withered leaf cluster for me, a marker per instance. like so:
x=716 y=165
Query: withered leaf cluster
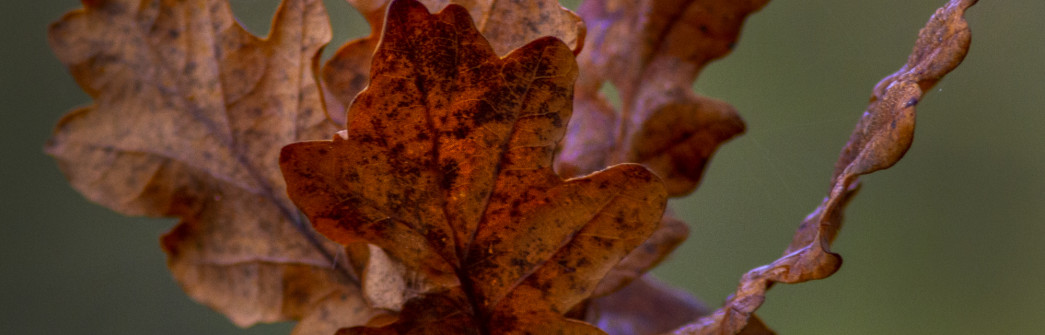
x=476 y=182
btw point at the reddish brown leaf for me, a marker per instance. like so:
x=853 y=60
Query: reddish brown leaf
x=882 y=136
x=446 y=165
x=506 y=24
x=189 y=113
x=652 y=51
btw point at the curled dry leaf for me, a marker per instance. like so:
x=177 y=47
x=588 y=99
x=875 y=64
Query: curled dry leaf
x=882 y=136
x=652 y=51
x=189 y=113
x=506 y=24
x=446 y=166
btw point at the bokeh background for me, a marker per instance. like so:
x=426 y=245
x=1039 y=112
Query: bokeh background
x=951 y=240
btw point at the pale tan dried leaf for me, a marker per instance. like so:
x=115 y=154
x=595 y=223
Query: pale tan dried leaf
x=189 y=113
x=340 y=309
x=388 y=283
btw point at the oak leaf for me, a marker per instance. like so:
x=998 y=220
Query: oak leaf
x=506 y=24
x=882 y=136
x=652 y=51
x=189 y=114
x=446 y=165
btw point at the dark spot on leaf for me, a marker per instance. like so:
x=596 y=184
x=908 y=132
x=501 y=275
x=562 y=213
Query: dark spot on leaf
x=556 y=120
x=460 y=132
x=449 y=171
x=486 y=114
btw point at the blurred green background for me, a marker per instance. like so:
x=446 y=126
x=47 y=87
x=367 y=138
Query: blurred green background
x=951 y=240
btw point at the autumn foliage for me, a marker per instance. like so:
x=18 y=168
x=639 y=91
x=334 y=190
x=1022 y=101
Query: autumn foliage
x=453 y=173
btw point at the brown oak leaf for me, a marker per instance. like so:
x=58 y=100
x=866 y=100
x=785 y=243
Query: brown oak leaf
x=652 y=51
x=347 y=72
x=446 y=165
x=189 y=114
x=882 y=136
x=506 y=24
